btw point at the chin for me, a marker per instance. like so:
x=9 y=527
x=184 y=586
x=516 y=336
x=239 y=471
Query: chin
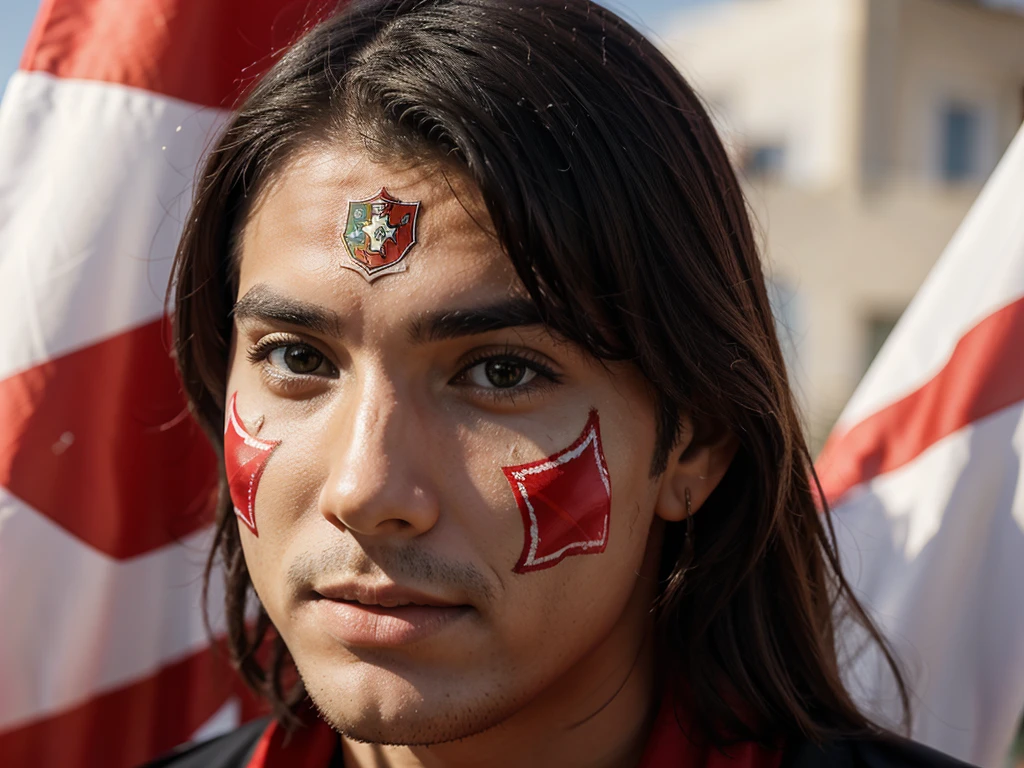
x=425 y=732
x=372 y=704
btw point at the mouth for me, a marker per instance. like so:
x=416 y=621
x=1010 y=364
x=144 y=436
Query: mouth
x=383 y=595
x=383 y=615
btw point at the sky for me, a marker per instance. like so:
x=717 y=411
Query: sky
x=16 y=18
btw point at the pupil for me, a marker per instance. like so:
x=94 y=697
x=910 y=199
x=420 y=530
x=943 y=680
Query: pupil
x=504 y=373
x=302 y=359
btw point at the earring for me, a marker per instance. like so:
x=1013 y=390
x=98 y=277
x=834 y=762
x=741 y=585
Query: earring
x=676 y=584
x=688 y=534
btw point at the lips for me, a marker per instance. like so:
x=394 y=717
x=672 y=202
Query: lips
x=384 y=615
x=382 y=595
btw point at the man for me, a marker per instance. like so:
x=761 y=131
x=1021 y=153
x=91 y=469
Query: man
x=470 y=304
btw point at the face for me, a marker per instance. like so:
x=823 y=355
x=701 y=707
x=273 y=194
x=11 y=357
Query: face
x=388 y=531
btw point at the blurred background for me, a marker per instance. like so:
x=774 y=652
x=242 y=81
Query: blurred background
x=863 y=130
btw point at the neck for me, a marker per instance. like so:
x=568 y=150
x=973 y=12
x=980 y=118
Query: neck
x=599 y=713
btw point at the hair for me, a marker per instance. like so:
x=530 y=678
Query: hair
x=612 y=196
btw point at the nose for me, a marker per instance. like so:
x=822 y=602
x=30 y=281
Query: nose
x=378 y=482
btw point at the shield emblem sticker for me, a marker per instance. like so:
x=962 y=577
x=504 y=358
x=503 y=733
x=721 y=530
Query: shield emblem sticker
x=379 y=233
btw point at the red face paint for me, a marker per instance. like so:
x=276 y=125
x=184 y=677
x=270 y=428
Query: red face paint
x=245 y=457
x=565 y=501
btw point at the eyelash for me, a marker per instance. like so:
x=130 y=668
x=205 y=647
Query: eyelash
x=262 y=349
x=546 y=376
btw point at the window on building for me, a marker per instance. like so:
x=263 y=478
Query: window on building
x=960 y=135
x=762 y=160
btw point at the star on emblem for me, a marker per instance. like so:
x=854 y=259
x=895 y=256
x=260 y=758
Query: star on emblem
x=378 y=233
x=379 y=230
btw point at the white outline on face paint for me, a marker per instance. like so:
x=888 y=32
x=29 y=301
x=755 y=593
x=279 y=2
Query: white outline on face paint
x=590 y=437
x=235 y=423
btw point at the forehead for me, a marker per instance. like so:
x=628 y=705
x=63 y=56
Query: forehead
x=294 y=237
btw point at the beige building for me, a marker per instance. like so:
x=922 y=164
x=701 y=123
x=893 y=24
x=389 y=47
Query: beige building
x=864 y=129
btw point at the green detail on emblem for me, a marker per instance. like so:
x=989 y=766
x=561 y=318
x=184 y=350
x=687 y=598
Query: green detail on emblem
x=379 y=233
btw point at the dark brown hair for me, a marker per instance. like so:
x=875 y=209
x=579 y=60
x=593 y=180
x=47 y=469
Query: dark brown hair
x=614 y=200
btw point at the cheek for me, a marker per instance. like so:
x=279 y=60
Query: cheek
x=541 y=513
x=273 y=484
x=288 y=499
x=564 y=502
x=245 y=459
x=288 y=522
x=253 y=549
x=573 y=504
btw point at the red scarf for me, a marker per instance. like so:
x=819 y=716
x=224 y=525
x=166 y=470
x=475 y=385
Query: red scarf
x=668 y=747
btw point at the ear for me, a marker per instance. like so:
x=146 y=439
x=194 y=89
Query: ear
x=695 y=468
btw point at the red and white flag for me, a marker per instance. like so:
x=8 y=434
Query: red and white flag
x=926 y=472
x=106 y=484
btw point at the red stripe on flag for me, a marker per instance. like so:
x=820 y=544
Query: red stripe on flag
x=984 y=374
x=100 y=442
x=200 y=51
x=130 y=725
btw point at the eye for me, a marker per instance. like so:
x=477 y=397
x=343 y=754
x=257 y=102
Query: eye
x=500 y=373
x=300 y=359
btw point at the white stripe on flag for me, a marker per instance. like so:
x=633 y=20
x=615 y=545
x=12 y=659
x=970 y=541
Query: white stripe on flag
x=936 y=549
x=935 y=546
x=88 y=623
x=87 y=252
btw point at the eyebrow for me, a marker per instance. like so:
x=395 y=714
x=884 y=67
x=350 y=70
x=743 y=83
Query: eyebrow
x=456 y=323
x=262 y=303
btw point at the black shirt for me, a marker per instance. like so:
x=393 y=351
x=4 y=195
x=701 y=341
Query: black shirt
x=236 y=750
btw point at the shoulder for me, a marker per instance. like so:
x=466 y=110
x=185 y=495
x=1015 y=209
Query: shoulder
x=882 y=751
x=232 y=750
